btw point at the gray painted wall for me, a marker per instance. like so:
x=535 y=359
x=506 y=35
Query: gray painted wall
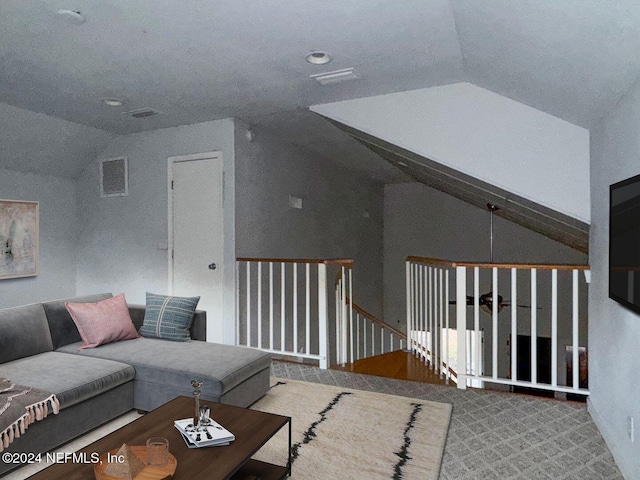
x=425 y=222
x=123 y=240
x=614 y=331
x=332 y=223
x=58 y=238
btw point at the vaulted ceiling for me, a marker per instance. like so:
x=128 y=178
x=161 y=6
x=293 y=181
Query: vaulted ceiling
x=198 y=60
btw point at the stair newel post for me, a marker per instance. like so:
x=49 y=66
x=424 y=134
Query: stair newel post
x=322 y=316
x=446 y=331
x=343 y=318
x=461 y=325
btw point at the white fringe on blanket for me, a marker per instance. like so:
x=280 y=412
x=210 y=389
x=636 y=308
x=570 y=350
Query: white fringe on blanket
x=34 y=413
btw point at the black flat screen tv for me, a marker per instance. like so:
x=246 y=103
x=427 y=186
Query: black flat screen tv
x=624 y=242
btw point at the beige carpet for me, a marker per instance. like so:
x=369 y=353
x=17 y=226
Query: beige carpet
x=353 y=434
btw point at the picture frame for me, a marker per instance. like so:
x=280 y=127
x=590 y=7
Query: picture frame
x=19 y=239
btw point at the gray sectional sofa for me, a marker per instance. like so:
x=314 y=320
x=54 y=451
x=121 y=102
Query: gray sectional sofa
x=39 y=348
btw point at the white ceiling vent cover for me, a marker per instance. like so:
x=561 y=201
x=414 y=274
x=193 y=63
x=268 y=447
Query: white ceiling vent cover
x=143 y=113
x=114 y=177
x=336 y=76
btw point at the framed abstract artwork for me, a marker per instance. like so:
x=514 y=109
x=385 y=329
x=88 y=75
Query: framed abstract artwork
x=18 y=239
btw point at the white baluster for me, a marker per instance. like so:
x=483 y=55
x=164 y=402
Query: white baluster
x=514 y=324
x=409 y=294
x=534 y=327
x=350 y=276
x=476 y=318
x=416 y=293
x=308 y=309
x=446 y=332
x=344 y=317
x=358 y=317
x=238 y=303
x=283 y=306
x=430 y=315
x=248 y=304
x=495 y=322
x=439 y=323
x=271 y=307
x=373 y=339
x=364 y=337
x=295 y=308
x=421 y=310
x=554 y=327
x=339 y=320
x=574 y=320
x=461 y=324
x=322 y=316
x=259 y=298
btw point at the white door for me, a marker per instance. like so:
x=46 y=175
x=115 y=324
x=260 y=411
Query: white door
x=196 y=236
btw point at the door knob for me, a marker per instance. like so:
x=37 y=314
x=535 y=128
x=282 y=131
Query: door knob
x=212 y=266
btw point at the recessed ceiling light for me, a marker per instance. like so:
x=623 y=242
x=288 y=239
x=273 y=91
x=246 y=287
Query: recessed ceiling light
x=72 y=16
x=112 y=102
x=318 y=58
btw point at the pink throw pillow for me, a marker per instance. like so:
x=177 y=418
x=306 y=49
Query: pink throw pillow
x=102 y=322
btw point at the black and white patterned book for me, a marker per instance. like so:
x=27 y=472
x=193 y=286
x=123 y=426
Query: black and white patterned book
x=209 y=435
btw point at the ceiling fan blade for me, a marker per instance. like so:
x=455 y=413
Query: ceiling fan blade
x=469 y=301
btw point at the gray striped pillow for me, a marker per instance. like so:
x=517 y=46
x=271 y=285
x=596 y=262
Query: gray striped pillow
x=168 y=317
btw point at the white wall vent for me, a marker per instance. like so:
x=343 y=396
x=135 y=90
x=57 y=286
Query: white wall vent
x=143 y=113
x=114 y=177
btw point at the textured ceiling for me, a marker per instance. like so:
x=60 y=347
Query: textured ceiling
x=198 y=60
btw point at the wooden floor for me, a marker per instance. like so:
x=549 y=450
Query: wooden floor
x=399 y=364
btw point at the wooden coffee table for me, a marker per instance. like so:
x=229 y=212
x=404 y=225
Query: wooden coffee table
x=251 y=428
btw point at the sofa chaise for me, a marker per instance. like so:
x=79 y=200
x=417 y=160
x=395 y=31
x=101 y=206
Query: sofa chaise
x=39 y=347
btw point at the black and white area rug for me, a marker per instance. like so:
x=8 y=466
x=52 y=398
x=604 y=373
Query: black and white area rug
x=341 y=433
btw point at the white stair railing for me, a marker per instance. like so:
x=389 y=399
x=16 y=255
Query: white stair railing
x=428 y=318
x=282 y=306
x=546 y=310
x=360 y=334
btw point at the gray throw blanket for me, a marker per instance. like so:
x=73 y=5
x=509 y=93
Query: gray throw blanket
x=20 y=407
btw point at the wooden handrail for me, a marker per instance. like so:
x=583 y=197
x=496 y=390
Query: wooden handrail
x=377 y=321
x=522 y=266
x=347 y=262
x=431 y=261
x=451 y=370
x=525 y=266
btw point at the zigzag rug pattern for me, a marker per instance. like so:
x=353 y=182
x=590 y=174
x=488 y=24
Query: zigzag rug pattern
x=353 y=434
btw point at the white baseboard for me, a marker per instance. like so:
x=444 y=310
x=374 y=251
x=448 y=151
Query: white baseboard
x=611 y=441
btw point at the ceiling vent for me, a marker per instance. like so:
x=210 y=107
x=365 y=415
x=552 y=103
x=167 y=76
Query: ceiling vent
x=336 y=76
x=143 y=113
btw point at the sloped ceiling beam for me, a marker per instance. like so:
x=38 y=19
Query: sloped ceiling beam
x=543 y=220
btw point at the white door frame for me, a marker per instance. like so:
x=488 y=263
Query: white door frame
x=170 y=162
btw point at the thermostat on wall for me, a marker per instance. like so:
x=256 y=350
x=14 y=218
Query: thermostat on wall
x=295 y=202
